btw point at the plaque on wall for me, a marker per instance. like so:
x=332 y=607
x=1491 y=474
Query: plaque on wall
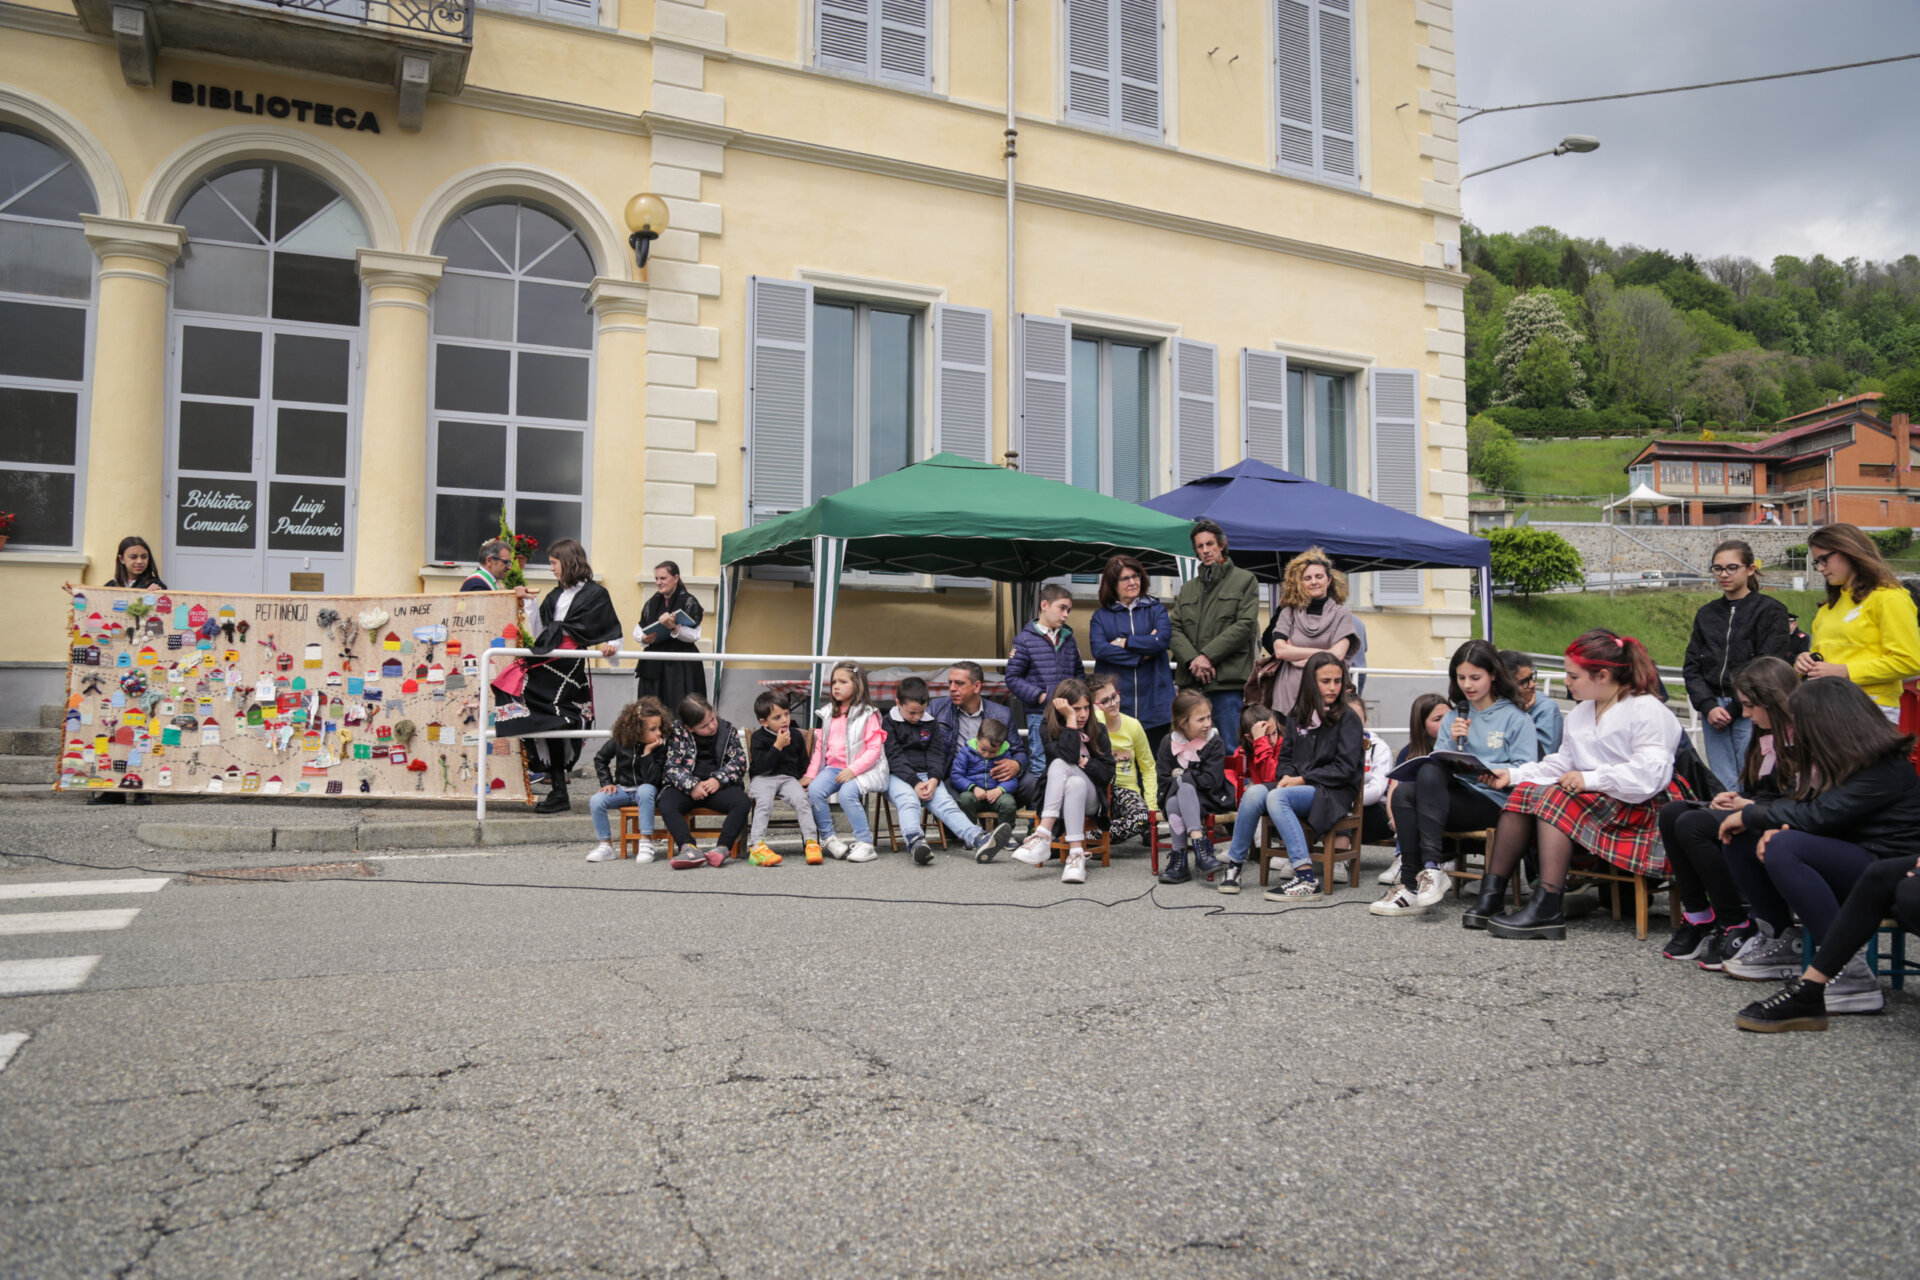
x=216 y=513
x=306 y=517
x=306 y=582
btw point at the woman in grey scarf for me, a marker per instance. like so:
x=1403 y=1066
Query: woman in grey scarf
x=1312 y=618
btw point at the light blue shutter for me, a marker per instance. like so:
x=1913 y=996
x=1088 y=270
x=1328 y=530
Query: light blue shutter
x=1090 y=61
x=1293 y=82
x=1315 y=92
x=779 y=396
x=905 y=46
x=963 y=381
x=1339 y=127
x=1045 y=387
x=843 y=33
x=1196 y=410
x=1397 y=467
x=1139 y=61
x=1263 y=406
x=587 y=11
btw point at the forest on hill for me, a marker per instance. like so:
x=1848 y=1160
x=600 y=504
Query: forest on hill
x=1569 y=337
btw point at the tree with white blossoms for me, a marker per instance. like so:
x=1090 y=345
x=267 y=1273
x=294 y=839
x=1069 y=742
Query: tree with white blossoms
x=1538 y=361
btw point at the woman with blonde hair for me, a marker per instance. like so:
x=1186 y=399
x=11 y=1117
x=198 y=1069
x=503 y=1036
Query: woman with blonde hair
x=1312 y=618
x=1867 y=631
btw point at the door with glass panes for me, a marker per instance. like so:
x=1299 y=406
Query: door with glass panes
x=265 y=354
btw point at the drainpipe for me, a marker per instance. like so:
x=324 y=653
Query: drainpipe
x=1014 y=442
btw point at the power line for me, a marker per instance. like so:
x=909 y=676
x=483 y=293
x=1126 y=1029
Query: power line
x=1684 y=88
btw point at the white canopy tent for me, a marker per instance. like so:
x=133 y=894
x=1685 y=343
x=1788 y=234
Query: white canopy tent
x=1642 y=496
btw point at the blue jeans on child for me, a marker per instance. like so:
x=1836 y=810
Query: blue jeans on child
x=1253 y=804
x=1285 y=807
x=852 y=803
x=908 y=805
x=641 y=798
x=1727 y=748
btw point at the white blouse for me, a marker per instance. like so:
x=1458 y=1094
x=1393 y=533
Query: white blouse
x=1628 y=753
x=564 y=601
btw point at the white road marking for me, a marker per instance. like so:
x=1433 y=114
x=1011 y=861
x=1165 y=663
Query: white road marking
x=10 y=1042
x=33 y=977
x=424 y=857
x=82 y=888
x=67 y=921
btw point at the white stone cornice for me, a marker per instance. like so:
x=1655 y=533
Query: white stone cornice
x=614 y=300
x=384 y=269
x=156 y=242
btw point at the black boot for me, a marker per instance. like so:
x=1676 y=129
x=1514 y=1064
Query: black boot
x=1544 y=916
x=1176 y=872
x=557 y=800
x=1204 y=863
x=1493 y=892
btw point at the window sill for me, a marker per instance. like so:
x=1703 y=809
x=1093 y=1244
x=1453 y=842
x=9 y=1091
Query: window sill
x=460 y=573
x=23 y=556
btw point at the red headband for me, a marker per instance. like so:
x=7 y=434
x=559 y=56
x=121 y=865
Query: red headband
x=1583 y=661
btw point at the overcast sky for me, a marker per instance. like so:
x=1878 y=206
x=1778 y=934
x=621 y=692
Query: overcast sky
x=1817 y=164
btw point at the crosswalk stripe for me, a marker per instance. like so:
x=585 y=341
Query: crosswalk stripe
x=66 y=921
x=10 y=1041
x=82 y=888
x=32 y=977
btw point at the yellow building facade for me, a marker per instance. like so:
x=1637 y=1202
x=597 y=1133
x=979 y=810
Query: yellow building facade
x=302 y=294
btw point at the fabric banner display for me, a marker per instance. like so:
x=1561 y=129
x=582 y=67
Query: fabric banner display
x=183 y=692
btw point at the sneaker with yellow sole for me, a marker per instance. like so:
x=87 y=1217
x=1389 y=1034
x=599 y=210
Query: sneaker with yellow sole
x=762 y=856
x=814 y=856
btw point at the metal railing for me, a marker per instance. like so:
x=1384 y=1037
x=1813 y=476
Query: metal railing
x=450 y=18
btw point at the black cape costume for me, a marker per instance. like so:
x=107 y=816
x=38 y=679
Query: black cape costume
x=671 y=681
x=559 y=693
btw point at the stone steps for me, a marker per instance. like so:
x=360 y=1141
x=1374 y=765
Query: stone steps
x=29 y=742
x=27 y=770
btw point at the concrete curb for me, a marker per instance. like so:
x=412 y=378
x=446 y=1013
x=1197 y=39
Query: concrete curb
x=439 y=834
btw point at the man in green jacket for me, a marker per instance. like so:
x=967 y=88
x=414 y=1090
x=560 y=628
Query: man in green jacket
x=1215 y=620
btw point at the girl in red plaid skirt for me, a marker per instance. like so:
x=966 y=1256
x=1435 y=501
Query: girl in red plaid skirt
x=1600 y=791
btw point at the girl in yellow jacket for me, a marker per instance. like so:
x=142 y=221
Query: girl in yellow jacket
x=1134 y=776
x=1867 y=631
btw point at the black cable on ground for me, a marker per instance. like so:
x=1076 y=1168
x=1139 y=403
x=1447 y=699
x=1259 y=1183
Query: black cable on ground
x=1206 y=909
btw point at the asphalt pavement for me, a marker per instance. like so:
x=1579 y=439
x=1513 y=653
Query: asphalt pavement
x=511 y=1062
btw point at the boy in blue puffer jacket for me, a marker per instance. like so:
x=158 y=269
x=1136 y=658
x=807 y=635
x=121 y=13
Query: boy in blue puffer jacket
x=1044 y=653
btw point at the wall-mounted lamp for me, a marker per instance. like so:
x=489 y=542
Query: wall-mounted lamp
x=646 y=219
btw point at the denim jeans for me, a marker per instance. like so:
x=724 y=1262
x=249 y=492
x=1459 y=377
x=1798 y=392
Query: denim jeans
x=1226 y=717
x=908 y=805
x=1036 y=745
x=641 y=798
x=852 y=803
x=1727 y=748
x=1253 y=803
x=1285 y=807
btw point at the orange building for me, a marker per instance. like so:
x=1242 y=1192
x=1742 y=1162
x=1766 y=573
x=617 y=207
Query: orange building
x=1838 y=462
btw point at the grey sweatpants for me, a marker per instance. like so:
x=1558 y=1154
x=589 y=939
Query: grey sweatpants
x=768 y=787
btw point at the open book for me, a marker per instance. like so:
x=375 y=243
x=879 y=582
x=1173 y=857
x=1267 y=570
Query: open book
x=663 y=627
x=1463 y=763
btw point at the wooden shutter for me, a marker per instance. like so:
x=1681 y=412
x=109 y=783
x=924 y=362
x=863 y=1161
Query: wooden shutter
x=1339 y=126
x=1045 y=385
x=1090 y=61
x=905 y=46
x=1398 y=464
x=963 y=381
x=1139 y=62
x=1263 y=406
x=1196 y=410
x=1293 y=82
x=779 y=396
x=843 y=34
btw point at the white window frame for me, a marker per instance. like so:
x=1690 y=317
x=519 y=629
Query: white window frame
x=1154 y=466
x=920 y=430
x=1300 y=419
x=509 y=495
x=596 y=12
x=1356 y=366
x=1362 y=119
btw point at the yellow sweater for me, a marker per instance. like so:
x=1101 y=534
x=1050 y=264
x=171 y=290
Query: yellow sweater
x=1132 y=757
x=1877 y=640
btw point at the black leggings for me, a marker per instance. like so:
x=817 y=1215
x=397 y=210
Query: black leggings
x=1426 y=807
x=1690 y=833
x=731 y=801
x=1884 y=889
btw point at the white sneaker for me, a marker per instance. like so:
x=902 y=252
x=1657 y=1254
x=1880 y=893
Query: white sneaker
x=603 y=852
x=837 y=846
x=1433 y=887
x=1399 y=902
x=1035 y=849
x=643 y=852
x=1392 y=874
x=1076 y=872
x=861 y=852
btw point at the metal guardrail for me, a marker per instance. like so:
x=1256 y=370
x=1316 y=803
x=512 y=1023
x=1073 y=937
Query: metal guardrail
x=450 y=18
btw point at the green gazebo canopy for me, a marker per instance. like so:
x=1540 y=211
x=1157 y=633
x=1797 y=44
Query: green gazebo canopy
x=952 y=515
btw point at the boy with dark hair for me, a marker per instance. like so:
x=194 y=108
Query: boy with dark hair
x=919 y=753
x=975 y=788
x=776 y=758
x=1044 y=653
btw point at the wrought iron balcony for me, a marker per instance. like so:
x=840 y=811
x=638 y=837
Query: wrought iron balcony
x=412 y=46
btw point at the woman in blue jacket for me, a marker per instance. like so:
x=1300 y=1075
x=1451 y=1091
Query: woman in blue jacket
x=1130 y=634
x=1486 y=721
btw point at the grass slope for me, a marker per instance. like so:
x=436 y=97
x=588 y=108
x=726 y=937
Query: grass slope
x=1661 y=620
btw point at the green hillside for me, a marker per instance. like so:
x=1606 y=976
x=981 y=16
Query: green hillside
x=1661 y=620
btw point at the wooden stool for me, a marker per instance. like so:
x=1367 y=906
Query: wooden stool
x=1463 y=852
x=693 y=816
x=1327 y=856
x=1608 y=874
x=1153 y=838
x=880 y=809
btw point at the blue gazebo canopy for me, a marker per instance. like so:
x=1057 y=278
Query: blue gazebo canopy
x=1271 y=515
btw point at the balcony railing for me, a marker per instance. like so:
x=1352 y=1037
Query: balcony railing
x=451 y=18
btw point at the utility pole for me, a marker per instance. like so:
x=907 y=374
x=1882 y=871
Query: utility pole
x=1613 y=544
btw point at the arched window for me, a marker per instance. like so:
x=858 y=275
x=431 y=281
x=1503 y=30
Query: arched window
x=512 y=378
x=46 y=292
x=266 y=339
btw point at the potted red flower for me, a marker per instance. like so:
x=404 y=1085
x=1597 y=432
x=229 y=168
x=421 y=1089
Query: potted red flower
x=6 y=526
